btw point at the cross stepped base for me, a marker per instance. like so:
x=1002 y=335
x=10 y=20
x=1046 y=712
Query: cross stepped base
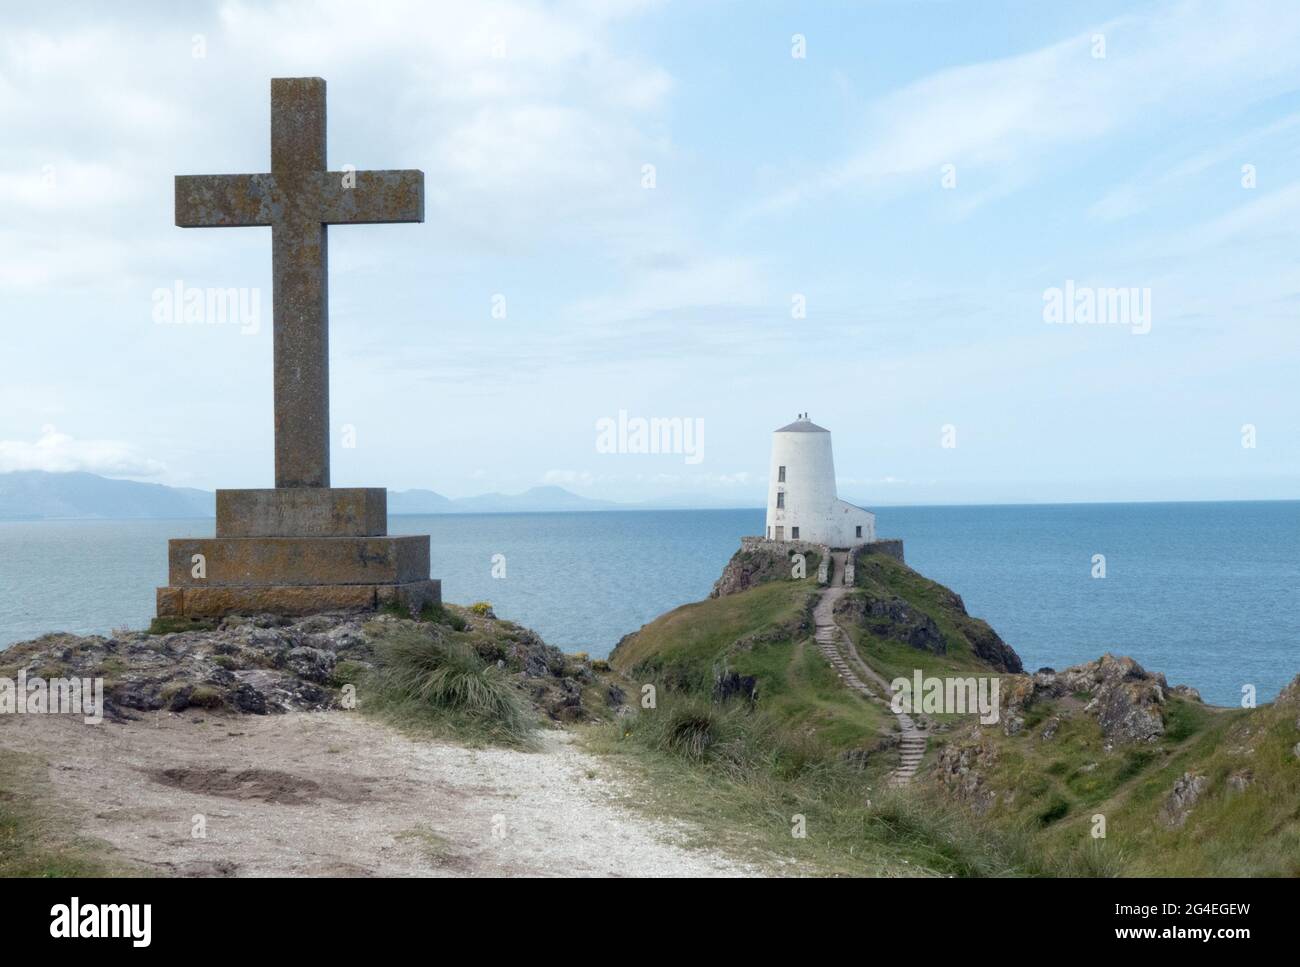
x=297 y=551
x=296 y=600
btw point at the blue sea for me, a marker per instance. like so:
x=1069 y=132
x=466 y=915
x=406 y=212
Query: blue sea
x=1208 y=593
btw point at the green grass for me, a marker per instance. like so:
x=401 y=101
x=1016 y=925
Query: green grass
x=685 y=649
x=436 y=849
x=880 y=575
x=432 y=681
x=430 y=613
x=742 y=773
x=1061 y=784
x=747 y=783
x=683 y=646
x=174 y=625
x=34 y=837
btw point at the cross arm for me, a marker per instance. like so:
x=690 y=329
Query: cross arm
x=373 y=197
x=204 y=201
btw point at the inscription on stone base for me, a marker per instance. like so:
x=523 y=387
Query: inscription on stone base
x=303 y=512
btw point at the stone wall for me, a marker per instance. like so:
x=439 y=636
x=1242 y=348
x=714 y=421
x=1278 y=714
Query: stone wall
x=763 y=544
x=890 y=547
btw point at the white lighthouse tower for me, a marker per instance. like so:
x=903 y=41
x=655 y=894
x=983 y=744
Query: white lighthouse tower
x=801 y=501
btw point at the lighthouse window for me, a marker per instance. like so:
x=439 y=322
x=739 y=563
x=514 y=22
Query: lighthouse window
x=859 y=531
x=794 y=533
x=780 y=499
x=780 y=475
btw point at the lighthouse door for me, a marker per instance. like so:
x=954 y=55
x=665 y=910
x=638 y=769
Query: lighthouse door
x=780 y=533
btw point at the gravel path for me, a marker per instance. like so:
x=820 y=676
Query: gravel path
x=332 y=793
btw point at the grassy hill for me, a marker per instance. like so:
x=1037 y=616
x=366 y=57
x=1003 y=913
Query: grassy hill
x=752 y=727
x=1216 y=793
x=898 y=619
x=754 y=737
x=764 y=634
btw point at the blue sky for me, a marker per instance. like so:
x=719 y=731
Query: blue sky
x=822 y=177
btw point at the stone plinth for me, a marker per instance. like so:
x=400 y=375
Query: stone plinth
x=303 y=512
x=196 y=602
x=265 y=561
x=297 y=551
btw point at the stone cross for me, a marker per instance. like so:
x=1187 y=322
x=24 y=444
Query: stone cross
x=298 y=199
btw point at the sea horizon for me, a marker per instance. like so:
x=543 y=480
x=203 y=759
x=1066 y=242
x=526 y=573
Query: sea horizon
x=653 y=508
x=585 y=578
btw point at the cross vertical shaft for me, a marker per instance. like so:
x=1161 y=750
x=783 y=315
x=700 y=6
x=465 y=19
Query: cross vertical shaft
x=300 y=270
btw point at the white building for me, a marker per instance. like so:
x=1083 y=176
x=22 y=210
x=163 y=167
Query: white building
x=801 y=500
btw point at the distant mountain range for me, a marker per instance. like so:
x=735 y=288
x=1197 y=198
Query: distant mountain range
x=37 y=495
x=533 y=500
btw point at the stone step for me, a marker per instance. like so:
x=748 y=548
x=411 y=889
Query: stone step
x=253 y=562
x=303 y=512
x=295 y=600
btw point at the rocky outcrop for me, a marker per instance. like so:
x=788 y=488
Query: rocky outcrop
x=750 y=567
x=1128 y=702
x=892 y=617
x=1187 y=791
x=265 y=664
x=989 y=647
x=730 y=684
x=960 y=770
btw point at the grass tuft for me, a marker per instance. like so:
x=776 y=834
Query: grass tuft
x=175 y=625
x=429 y=682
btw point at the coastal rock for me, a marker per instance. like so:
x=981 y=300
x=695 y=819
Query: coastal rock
x=1127 y=701
x=733 y=685
x=1289 y=696
x=958 y=768
x=890 y=616
x=989 y=646
x=1241 y=780
x=561 y=701
x=856 y=758
x=1187 y=791
x=752 y=567
x=313 y=664
x=264 y=664
x=1016 y=693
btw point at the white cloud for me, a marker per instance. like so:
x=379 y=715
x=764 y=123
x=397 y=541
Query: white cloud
x=1001 y=117
x=57 y=452
x=544 y=141
x=671 y=284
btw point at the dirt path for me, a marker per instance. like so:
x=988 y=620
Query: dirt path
x=835 y=646
x=334 y=794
